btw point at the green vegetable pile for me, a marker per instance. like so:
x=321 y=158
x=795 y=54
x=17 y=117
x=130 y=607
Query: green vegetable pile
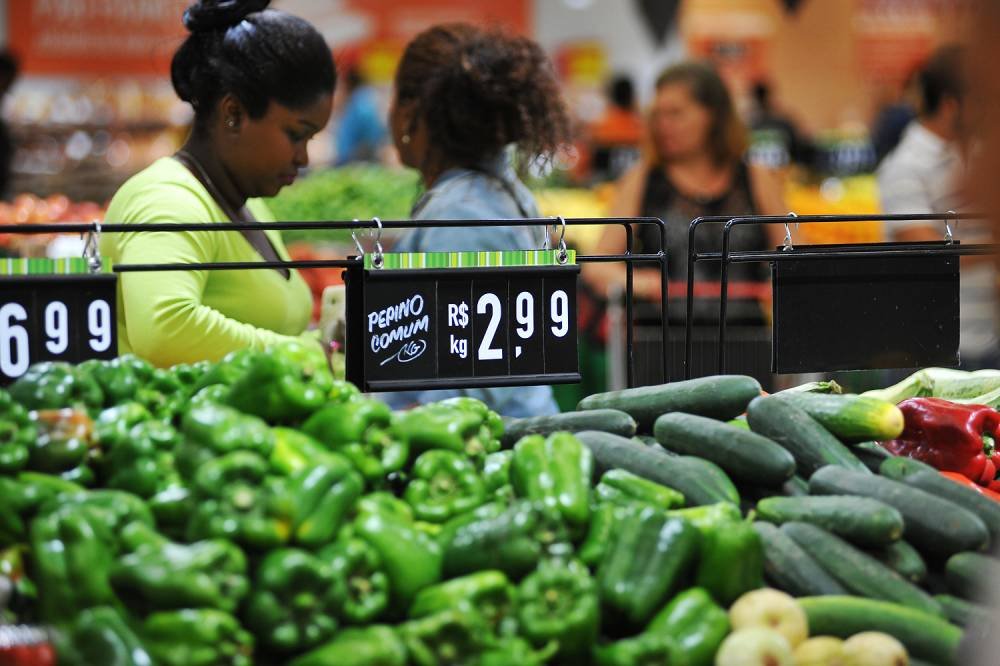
x=259 y=511
x=342 y=194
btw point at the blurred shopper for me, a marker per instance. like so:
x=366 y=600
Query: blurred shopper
x=924 y=174
x=261 y=83
x=695 y=167
x=9 y=69
x=361 y=133
x=894 y=116
x=465 y=100
x=776 y=132
x=616 y=137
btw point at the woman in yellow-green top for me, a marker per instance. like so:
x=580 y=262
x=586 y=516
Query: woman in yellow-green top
x=261 y=83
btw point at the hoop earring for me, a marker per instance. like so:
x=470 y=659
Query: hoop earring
x=231 y=123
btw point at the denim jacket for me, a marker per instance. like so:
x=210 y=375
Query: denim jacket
x=491 y=192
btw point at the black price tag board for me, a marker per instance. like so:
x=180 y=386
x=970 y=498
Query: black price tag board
x=461 y=327
x=69 y=318
x=865 y=312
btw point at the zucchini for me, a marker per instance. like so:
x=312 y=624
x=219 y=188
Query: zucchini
x=971 y=575
x=963 y=613
x=789 y=568
x=871 y=454
x=904 y=559
x=932 y=524
x=722 y=397
x=605 y=420
x=925 y=636
x=744 y=455
x=793 y=429
x=852 y=418
x=926 y=478
x=828 y=386
x=860 y=520
x=698 y=480
x=857 y=571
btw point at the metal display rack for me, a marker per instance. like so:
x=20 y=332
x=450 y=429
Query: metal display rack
x=728 y=257
x=629 y=257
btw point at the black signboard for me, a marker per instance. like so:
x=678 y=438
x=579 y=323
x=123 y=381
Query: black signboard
x=865 y=312
x=461 y=327
x=56 y=318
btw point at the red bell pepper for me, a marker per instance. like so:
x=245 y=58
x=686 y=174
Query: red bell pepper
x=950 y=437
x=958 y=478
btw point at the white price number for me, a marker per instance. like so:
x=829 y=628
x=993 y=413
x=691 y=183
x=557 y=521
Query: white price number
x=99 y=325
x=559 y=311
x=13 y=340
x=525 y=315
x=487 y=352
x=57 y=327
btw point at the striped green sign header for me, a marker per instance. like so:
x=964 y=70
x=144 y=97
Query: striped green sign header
x=506 y=258
x=44 y=266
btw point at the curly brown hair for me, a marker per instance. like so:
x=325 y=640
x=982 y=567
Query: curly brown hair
x=480 y=90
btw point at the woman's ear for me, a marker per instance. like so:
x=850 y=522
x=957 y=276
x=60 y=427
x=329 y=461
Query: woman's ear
x=231 y=114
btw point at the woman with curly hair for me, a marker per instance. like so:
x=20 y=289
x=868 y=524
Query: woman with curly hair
x=469 y=104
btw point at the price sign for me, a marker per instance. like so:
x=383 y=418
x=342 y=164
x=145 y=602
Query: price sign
x=67 y=318
x=461 y=327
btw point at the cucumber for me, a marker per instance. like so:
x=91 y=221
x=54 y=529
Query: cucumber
x=788 y=567
x=904 y=559
x=971 y=575
x=698 y=480
x=962 y=612
x=932 y=524
x=723 y=397
x=605 y=420
x=829 y=386
x=852 y=418
x=924 y=635
x=966 y=388
x=795 y=487
x=793 y=429
x=860 y=520
x=744 y=455
x=857 y=571
x=871 y=454
x=926 y=478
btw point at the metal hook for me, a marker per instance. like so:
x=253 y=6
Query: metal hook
x=562 y=255
x=357 y=243
x=949 y=239
x=377 y=258
x=787 y=244
x=92 y=250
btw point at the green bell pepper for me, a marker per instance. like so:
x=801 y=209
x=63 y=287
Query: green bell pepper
x=172 y=507
x=294 y=451
x=63 y=440
x=17 y=435
x=696 y=623
x=102 y=636
x=622 y=487
x=604 y=518
x=196 y=637
x=343 y=391
x=293 y=604
x=376 y=645
x=56 y=385
x=120 y=378
x=641 y=650
x=143 y=463
x=22 y=498
x=488 y=593
x=284 y=384
x=231 y=367
x=187 y=375
x=211 y=431
x=731 y=561
x=511 y=538
x=113 y=509
x=170 y=576
x=216 y=394
x=412 y=560
x=71 y=564
x=555 y=470
x=496 y=470
x=236 y=499
x=650 y=555
x=558 y=602
x=360 y=583
x=322 y=498
x=709 y=515
x=387 y=503
x=490 y=419
x=448 y=638
x=112 y=425
x=439 y=426
x=359 y=430
x=444 y=484
x=510 y=651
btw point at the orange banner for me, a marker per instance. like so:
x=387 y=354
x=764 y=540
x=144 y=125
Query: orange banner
x=100 y=37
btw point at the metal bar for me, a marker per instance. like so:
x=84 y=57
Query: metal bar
x=235 y=265
x=693 y=257
x=970 y=250
x=479 y=382
x=664 y=304
x=629 y=316
x=724 y=295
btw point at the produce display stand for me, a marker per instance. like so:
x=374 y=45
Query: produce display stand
x=846 y=255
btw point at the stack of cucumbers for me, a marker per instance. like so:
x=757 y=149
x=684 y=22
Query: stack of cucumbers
x=868 y=541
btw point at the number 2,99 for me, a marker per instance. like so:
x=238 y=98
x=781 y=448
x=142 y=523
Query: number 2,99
x=14 y=332
x=524 y=315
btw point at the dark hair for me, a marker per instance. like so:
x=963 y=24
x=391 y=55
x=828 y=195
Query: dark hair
x=761 y=92
x=727 y=135
x=257 y=54
x=480 y=90
x=621 y=92
x=10 y=67
x=942 y=77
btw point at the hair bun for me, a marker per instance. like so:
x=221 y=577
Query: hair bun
x=208 y=15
